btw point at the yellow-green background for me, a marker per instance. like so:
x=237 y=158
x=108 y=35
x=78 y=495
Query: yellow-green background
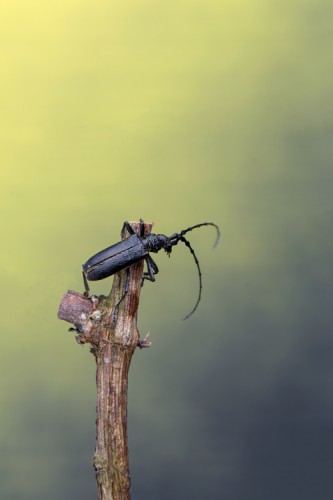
x=177 y=112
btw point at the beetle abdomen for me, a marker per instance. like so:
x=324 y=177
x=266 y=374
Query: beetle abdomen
x=115 y=258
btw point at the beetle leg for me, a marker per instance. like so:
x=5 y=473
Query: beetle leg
x=127 y=227
x=86 y=286
x=115 y=309
x=142 y=228
x=151 y=268
x=127 y=282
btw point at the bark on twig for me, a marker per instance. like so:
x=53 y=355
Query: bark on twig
x=109 y=324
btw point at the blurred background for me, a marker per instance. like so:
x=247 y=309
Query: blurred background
x=178 y=112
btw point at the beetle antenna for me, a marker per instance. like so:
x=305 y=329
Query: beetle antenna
x=204 y=224
x=187 y=243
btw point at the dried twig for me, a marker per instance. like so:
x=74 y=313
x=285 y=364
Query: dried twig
x=109 y=324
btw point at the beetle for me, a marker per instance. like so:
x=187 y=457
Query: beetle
x=136 y=247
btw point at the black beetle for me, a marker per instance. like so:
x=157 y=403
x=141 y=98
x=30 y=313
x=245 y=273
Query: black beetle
x=137 y=247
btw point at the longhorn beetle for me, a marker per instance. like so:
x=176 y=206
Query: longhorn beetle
x=137 y=247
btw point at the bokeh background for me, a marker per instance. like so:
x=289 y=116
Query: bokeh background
x=178 y=112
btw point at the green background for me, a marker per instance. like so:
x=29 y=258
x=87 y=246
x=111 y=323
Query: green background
x=178 y=112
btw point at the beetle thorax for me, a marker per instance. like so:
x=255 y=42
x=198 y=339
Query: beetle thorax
x=155 y=242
